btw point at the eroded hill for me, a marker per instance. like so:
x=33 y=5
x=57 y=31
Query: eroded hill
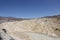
x=46 y=25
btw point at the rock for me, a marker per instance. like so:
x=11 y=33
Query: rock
x=26 y=36
x=34 y=25
x=4 y=36
x=47 y=28
x=35 y=36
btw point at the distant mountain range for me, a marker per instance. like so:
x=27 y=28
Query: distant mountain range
x=55 y=16
x=6 y=19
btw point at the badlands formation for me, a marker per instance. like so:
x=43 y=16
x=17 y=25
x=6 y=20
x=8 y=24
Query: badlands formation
x=45 y=28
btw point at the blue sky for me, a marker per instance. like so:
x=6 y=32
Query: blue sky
x=29 y=8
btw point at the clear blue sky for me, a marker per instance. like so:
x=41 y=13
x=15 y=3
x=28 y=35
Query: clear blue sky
x=29 y=8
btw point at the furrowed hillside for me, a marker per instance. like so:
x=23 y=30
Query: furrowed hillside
x=48 y=26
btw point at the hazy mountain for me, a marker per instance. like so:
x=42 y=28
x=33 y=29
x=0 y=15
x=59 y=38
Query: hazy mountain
x=6 y=19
